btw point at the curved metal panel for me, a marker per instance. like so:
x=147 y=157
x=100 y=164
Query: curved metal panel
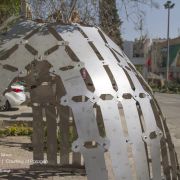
x=94 y=72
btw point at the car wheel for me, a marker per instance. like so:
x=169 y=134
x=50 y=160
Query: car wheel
x=6 y=106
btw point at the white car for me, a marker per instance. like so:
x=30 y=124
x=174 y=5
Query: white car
x=15 y=96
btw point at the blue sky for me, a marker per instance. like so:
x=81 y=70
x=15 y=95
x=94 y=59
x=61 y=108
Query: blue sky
x=155 y=22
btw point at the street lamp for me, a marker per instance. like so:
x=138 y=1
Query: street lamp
x=168 y=5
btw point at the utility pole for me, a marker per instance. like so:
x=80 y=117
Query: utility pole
x=168 y=5
x=178 y=32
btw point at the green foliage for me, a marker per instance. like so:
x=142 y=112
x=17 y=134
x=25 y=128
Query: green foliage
x=173 y=88
x=72 y=135
x=110 y=21
x=8 y=8
x=16 y=130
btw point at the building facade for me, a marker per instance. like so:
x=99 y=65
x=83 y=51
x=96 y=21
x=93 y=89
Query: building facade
x=159 y=58
x=138 y=52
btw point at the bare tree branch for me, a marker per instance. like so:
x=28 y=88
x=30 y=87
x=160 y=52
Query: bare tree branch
x=73 y=5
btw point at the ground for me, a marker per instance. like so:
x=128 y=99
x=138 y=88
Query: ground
x=16 y=148
x=170 y=106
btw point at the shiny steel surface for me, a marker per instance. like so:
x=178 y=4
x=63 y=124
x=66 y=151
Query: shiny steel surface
x=134 y=133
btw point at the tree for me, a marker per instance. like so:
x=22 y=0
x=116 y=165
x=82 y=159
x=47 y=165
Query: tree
x=50 y=10
x=134 y=10
x=100 y=12
x=109 y=20
x=8 y=8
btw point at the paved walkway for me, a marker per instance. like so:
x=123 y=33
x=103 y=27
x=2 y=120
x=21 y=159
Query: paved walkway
x=170 y=106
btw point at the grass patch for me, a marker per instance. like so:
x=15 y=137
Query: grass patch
x=173 y=88
x=16 y=130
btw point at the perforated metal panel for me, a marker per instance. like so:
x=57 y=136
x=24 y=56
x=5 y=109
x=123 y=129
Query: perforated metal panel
x=78 y=69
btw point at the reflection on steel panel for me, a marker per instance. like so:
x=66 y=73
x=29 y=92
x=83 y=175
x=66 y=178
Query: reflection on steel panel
x=112 y=107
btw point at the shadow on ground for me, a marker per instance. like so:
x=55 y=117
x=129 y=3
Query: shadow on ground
x=12 y=109
x=23 y=174
x=16 y=116
x=25 y=146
